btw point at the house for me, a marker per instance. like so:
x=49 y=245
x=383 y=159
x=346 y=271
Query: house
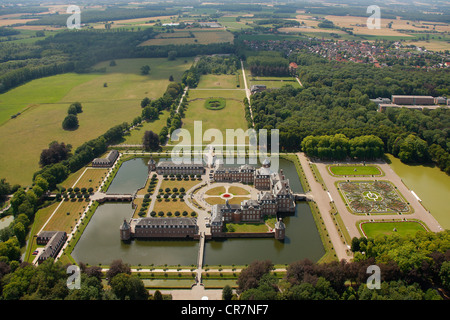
x=257 y=88
x=53 y=240
x=106 y=162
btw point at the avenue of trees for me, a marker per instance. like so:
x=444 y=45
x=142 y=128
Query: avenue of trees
x=411 y=268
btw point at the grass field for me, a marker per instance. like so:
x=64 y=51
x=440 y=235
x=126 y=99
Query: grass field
x=230 y=117
x=136 y=135
x=172 y=206
x=200 y=37
x=46 y=101
x=86 y=178
x=354 y=170
x=215 y=191
x=62 y=221
x=374 y=229
x=213 y=81
x=273 y=83
x=179 y=184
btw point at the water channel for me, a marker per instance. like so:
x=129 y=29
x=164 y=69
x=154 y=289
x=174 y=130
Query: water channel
x=100 y=242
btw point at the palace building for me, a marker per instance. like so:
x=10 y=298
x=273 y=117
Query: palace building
x=275 y=197
x=145 y=228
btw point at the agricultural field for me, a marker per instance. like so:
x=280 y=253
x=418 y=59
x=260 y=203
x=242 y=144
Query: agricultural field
x=183 y=37
x=402 y=228
x=43 y=105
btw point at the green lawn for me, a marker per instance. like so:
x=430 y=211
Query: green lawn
x=374 y=229
x=230 y=117
x=136 y=135
x=220 y=81
x=355 y=170
x=46 y=101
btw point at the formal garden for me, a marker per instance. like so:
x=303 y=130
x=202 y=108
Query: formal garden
x=369 y=197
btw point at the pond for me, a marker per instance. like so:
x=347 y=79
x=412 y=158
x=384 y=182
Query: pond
x=100 y=242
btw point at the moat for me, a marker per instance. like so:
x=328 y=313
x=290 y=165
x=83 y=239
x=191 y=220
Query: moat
x=100 y=243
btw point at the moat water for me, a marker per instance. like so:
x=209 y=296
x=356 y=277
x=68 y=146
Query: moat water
x=100 y=242
x=430 y=184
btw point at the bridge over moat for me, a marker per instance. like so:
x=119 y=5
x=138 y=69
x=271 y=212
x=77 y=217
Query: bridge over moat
x=303 y=196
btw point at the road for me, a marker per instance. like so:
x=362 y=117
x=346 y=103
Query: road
x=247 y=91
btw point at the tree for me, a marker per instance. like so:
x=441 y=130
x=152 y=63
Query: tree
x=77 y=106
x=145 y=70
x=126 y=286
x=171 y=78
x=145 y=102
x=227 y=293
x=157 y=295
x=151 y=141
x=250 y=276
x=55 y=153
x=116 y=267
x=70 y=122
x=171 y=55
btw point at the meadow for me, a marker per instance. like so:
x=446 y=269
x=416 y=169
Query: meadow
x=230 y=117
x=354 y=170
x=201 y=37
x=108 y=98
x=403 y=228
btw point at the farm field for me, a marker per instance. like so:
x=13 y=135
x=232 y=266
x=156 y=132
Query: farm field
x=403 y=228
x=230 y=117
x=201 y=37
x=46 y=101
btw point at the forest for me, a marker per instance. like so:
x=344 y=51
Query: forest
x=411 y=268
x=335 y=98
x=79 y=51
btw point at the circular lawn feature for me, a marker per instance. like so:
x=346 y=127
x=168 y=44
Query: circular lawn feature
x=215 y=103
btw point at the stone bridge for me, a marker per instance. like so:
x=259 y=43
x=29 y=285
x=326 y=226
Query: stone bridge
x=303 y=197
x=103 y=197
